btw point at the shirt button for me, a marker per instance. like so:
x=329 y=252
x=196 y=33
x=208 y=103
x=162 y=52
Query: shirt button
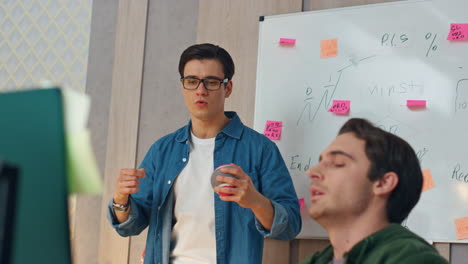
x=168 y=182
x=184 y=160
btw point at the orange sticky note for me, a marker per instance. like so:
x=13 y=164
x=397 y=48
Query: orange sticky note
x=461 y=224
x=273 y=129
x=301 y=203
x=428 y=182
x=328 y=48
x=458 y=32
x=340 y=107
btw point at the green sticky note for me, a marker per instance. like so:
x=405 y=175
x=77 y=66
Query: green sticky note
x=82 y=170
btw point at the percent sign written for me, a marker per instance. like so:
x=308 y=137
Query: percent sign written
x=432 y=46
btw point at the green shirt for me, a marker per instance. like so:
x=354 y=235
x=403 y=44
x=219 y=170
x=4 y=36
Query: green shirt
x=392 y=245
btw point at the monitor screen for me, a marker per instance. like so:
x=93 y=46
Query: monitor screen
x=8 y=179
x=35 y=143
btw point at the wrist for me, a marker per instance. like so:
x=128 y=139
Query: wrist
x=262 y=203
x=120 y=199
x=120 y=207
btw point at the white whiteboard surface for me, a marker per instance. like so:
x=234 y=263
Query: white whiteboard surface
x=378 y=72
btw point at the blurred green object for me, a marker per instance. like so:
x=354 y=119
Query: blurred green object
x=83 y=173
x=32 y=137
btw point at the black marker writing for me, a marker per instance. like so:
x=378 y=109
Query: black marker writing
x=459 y=175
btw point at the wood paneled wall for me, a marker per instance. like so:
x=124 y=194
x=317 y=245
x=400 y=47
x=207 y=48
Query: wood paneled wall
x=325 y=4
x=87 y=217
x=123 y=117
x=146 y=102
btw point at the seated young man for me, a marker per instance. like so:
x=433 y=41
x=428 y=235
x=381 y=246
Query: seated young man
x=366 y=183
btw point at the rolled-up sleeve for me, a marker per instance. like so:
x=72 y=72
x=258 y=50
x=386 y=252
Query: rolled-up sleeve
x=136 y=222
x=140 y=203
x=277 y=186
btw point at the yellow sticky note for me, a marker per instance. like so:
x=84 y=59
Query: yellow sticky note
x=461 y=225
x=82 y=169
x=428 y=182
x=328 y=48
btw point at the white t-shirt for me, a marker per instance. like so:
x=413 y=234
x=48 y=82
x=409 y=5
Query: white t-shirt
x=193 y=235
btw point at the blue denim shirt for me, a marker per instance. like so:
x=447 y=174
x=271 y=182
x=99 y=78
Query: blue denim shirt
x=239 y=235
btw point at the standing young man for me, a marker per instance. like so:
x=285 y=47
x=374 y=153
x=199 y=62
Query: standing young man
x=366 y=183
x=189 y=222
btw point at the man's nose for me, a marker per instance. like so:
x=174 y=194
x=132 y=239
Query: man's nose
x=315 y=173
x=201 y=89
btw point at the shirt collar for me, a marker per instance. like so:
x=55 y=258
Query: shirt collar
x=233 y=129
x=367 y=244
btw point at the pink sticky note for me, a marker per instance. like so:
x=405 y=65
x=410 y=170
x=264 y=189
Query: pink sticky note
x=287 y=41
x=428 y=182
x=461 y=225
x=340 y=106
x=301 y=203
x=418 y=103
x=273 y=129
x=458 y=32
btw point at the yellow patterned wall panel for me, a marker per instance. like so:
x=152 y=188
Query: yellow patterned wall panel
x=44 y=40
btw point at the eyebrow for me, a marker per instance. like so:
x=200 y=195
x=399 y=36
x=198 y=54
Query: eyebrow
x=338 y=152
x=207 y=77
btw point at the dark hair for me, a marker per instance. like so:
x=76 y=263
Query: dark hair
x=390 y=153
x=207 y=51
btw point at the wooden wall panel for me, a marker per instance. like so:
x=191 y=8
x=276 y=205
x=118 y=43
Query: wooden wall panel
x=443 y=249
x=325 y=4
x=459 y=253
x=123 y=117
x=234 y=26
x=85 y=231
x=276 y=252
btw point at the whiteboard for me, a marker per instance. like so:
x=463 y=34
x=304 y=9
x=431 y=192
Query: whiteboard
x=387 y=54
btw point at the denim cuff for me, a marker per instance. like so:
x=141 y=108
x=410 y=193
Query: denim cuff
x=280 y=221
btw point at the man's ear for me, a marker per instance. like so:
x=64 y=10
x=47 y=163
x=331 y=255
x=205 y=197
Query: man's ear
x=228 y=89
x=386 y=184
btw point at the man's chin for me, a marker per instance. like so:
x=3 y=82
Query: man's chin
x=314 y=214
x=200 y=116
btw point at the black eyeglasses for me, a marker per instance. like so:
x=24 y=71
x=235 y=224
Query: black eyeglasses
x=211 y=84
